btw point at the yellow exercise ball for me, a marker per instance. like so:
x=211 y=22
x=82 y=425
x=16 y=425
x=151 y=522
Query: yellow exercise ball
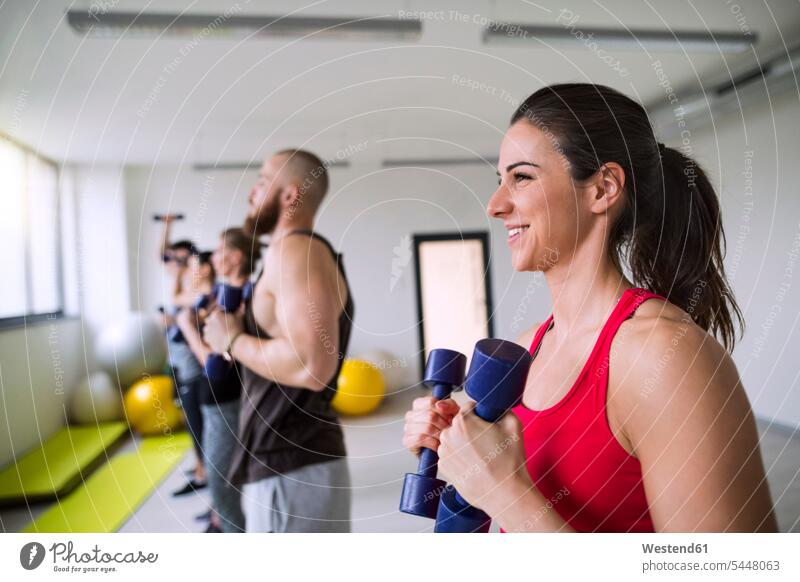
x=360 y=388
x=150 y=407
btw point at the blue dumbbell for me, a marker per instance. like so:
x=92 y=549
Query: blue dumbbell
x=228 y=298
x=496 y=381
x=174 y=333
x=444 y=371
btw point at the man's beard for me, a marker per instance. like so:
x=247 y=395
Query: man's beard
x=264 y=221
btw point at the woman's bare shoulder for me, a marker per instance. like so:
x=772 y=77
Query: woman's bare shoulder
x=660 y=324
x=661 y=347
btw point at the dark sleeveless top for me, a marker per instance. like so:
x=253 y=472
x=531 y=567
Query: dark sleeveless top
x=283 y=428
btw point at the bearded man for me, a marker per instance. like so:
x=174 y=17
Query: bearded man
x=290 y=339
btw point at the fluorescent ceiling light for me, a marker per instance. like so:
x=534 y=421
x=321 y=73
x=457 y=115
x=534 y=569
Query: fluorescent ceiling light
x=768 y=79
x=234 y=26
x=245 y=166
x=620 y=39
x=434 y=162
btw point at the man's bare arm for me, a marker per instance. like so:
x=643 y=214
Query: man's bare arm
x=307 y=309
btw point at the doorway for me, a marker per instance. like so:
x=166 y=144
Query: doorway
x=454 y=295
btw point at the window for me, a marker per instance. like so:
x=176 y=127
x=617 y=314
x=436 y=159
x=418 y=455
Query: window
x=29 y=236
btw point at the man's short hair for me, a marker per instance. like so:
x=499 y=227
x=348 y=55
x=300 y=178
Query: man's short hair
x=310 y=172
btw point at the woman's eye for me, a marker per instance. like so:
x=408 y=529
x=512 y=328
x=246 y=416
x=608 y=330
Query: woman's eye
x=517 y=178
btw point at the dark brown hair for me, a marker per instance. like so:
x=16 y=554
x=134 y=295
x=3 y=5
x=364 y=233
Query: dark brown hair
x=669 y=234
x=236 y=238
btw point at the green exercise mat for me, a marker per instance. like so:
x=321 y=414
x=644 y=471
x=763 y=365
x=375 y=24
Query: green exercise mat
x=115 y=491
x=60 y=464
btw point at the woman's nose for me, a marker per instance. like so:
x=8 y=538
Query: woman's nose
x=500 y=203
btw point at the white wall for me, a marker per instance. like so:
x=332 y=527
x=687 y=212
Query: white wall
x=762 y=225
x=367 y=214
x=39 y=366
x=369 y=218
x=211 y=201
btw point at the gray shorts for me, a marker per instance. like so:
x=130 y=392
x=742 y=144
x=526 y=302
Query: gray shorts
x=220 y=429
x=311 y=499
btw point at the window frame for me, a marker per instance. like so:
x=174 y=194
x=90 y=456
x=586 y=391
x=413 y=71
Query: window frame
x=28 y=318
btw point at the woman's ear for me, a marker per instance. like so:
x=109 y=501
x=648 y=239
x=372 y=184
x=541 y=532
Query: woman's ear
x=608 y=187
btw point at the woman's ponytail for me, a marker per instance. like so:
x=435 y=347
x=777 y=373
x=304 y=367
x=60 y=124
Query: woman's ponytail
x=669 y=234
x=676 y=245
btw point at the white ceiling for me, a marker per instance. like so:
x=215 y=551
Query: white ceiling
x=111 y=100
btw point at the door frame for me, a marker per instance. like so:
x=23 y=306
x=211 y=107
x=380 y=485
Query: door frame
x=479 y=235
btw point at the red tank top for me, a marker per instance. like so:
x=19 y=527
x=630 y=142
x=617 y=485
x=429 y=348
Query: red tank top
x=573 y=458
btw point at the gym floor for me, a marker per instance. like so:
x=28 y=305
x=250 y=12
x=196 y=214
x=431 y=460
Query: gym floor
x=378 y=463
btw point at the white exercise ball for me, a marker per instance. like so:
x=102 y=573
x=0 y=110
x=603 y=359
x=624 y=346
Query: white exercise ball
x=96 y=399
x=131 y=347
x=395 y=370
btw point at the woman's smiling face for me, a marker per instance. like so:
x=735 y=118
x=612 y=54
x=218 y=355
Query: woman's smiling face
x=536 y=199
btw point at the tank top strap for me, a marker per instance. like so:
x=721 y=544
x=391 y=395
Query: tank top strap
x=338 y=257
x=634 y=297
x=630 y=301
x=537 y=337
x=315 y=235
x=628 y=304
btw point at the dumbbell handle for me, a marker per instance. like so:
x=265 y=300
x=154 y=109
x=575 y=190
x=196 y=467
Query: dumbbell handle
x=444 y=371
x=428 y=459
x=488 y=414
x=496 y=381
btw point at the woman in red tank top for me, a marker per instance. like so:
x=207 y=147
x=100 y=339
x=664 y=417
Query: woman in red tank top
x=633 y=417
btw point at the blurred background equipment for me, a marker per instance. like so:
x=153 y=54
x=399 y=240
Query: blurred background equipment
x=96 y=399
x=360 y=389
x=150 y=407
x=131 y=347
